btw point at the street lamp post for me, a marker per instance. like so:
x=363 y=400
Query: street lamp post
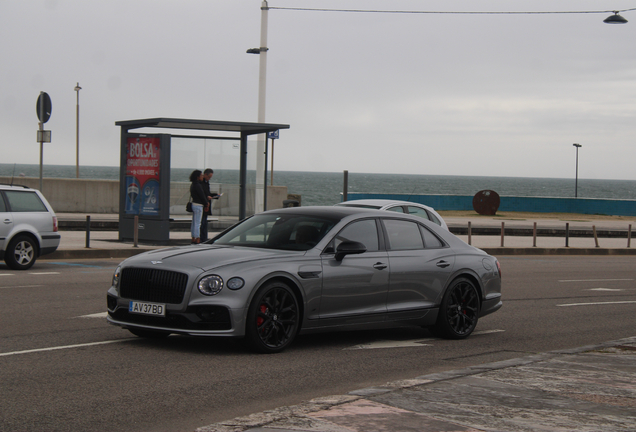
x=261 y=197
x=77 y=89
x=576 y=179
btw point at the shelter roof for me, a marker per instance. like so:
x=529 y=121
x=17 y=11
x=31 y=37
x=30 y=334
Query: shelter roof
x=210 y=125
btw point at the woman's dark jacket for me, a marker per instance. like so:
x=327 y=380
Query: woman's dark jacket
x=197 y=194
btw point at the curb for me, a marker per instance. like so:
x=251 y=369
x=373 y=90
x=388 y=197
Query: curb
x=100 y=225
x=261 y=420
x=93 y=253
x=495 y=251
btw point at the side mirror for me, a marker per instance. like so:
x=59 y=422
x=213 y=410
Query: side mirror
x=349 y=248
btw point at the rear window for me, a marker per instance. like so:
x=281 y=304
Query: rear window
x=24 y=202
x=435 y=219
x=420 y=212
x=397 y=209
x=430 y=240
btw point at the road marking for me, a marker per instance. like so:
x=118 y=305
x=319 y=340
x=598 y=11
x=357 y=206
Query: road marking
x=62 y=347
x=7 y=274
x=407 y=343
x=22 y=286
x=597 y=303
x=605 y=289
x=95 y=315
x=75 y=264
x=392 y=344
x=596 y=280
x=44 y=273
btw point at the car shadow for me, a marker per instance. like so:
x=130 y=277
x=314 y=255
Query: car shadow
x=353 y=338
x=320 y=342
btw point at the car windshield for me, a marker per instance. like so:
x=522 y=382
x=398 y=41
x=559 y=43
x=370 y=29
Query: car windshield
x=276 y=231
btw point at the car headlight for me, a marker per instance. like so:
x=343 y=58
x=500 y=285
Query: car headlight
x=235 y=283
x=117 y=277
x=211 y=285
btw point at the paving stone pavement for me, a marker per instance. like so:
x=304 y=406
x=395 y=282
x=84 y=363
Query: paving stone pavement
x=587 y=389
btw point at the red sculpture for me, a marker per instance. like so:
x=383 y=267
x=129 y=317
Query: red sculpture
x=486 y=202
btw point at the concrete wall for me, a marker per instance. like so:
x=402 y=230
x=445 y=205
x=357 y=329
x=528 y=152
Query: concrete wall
x=519 y=204
x=102 y=196
x=75 y=195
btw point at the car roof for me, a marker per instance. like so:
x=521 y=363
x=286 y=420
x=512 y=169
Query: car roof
x=326 y=211
x=380 y=202
x=339 y=212
x=14 y=186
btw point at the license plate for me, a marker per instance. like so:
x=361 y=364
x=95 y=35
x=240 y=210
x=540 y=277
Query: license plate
x=143 y=308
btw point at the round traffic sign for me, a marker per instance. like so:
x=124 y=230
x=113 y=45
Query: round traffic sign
x=43 y=107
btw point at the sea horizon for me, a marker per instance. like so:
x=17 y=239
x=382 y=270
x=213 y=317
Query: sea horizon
x=3 y=172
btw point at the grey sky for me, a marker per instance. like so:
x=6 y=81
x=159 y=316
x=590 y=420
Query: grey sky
x=502 y=95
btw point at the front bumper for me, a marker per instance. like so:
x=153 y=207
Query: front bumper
x=196 y=320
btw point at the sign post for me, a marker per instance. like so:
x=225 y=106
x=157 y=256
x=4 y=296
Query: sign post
x=273 y=135
x=43 y=110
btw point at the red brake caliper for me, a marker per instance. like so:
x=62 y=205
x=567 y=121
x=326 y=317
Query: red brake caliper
x=260 y=320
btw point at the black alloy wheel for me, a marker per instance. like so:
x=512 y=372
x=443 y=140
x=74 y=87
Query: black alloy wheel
x=21 y=253
x=273 y=318
x=459 y=311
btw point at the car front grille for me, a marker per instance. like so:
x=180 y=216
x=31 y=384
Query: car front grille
x=153 y=285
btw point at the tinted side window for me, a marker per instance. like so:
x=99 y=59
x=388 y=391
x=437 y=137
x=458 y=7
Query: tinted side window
x=25 y=202
x=3 y=207
x=435 y=219
x=430 y=239
x=364 y=231
x=416 y=211
x=403 y=235
x=397 y=209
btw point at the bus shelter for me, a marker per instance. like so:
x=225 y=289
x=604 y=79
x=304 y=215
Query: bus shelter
x=145 y=169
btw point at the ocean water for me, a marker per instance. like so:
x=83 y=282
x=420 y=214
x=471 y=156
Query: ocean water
x=325 y=188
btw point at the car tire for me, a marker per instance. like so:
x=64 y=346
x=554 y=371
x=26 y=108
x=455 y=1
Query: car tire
x=273 y=318
x=21 y=253
x=149 y=334
x=459 y=310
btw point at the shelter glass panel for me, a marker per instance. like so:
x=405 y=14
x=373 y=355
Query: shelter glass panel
x=222 y=156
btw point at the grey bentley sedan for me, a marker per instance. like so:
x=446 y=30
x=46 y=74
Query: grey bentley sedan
x=297 y=270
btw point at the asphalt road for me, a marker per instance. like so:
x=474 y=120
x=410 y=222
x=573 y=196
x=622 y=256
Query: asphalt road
x=63 y=368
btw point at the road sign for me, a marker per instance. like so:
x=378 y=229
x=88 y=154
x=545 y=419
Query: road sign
x=272 y=134
x=43 y=107
x=44 y=136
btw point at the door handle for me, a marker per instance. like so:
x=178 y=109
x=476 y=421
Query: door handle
x=379 y=266
x=442 y=264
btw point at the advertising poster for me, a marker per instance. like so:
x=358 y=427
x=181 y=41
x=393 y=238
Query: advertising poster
x=142 y=176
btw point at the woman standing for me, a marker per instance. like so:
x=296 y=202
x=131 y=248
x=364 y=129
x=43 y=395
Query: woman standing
x=199 y=204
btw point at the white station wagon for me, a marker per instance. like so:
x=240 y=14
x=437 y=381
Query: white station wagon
x=28 y=226
x=405 y=207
